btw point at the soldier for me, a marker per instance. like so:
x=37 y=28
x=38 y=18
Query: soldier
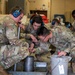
x=12 y=49
x=31 y=30
x=63 y=39
x=56 y=38
x=43 y=46
x=54 y=23
x=73 y=15
x=69 y=25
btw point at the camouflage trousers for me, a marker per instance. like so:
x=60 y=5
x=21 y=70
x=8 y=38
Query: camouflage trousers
x=11 y=54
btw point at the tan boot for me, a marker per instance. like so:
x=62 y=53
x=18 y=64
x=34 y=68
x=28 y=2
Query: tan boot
x=73 y=67
x=2 y=71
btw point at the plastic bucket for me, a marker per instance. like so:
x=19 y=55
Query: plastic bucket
x=59 y=65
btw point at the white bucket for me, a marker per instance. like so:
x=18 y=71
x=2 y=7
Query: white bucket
x=59 y=65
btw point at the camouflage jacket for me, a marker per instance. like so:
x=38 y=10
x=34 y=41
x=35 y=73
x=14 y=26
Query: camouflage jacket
x=73 y=32
x=29 y=30
x=62 y=39
x=16 y=50
x=9 y=30
x=42 y=47
x=73 y=24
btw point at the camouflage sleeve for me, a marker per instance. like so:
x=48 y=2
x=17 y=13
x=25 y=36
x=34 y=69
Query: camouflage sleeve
x=26 y=36
x=27 y=28
x=27 y=32
x=72 y=51
x=10 y=30
x=67 y=50
x=62 y=38
x=73 y=24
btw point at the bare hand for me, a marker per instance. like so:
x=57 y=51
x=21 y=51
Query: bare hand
x=33 y=38
x=48 y=37
x=62 y=53
x=31 y=50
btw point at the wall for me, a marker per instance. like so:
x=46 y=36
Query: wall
x=62 y=7
x=58 y=7
x=6 y=5
x=38 y=5
x=52 y=6
x=2 y=6
x=70 y=5
x=27 y=7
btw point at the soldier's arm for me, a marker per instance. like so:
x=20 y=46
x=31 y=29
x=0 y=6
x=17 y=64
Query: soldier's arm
x=66 y=50
x=72 y=51
x=26 y=33
x=48 y=37
x=26 y=36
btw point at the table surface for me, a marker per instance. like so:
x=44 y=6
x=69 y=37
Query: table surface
x=34 y=73
x=28 y=73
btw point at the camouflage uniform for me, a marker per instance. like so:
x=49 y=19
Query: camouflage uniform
x=42 y=47
x=63 y=39
x=39 y=46
x=73 y=60
x=29 y=30
x=73 y=32
x=12 y=49
x=73 y=24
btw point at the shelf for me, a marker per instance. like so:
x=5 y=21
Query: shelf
x=39 y=12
